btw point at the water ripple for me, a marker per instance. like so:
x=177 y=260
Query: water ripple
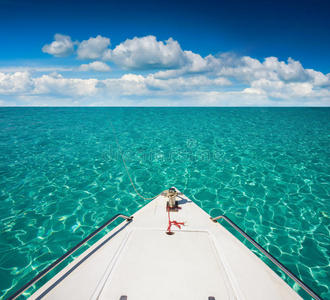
x=266 y=168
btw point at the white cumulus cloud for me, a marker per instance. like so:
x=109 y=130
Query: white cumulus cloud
x=98 y=66
x=291 y=71
x=198 y=64
x=319 y=79
x=95 y=48
x=15 y=83
x=283 y=90
x=127 y=85
x=62 y=46
x=174 y=76
x=135 y=89
x=248 y=69
x=148 y=53
x=59 y=86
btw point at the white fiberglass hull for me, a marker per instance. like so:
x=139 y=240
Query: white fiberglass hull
x=139 y=260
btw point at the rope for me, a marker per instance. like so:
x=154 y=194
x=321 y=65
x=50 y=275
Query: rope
x=122 y=156
x=170 y=223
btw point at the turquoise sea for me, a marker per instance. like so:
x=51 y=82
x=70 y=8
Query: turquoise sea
x=61 y=176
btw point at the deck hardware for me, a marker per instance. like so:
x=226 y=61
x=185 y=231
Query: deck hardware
x=170 y=232
x=271 y=257
x=66 y=255
x=172 y=205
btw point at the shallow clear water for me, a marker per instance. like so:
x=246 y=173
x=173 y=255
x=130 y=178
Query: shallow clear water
x=61 y=176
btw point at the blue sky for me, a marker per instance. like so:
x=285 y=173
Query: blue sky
x=218 y=53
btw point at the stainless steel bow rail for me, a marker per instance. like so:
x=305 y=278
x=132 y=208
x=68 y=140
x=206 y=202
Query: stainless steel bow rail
x=271 y=257
x=71 y=251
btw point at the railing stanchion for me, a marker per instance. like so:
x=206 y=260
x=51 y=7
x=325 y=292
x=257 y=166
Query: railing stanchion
x=271 y=257
x=67 y=254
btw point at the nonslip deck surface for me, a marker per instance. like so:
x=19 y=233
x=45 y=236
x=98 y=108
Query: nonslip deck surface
x=187 y=259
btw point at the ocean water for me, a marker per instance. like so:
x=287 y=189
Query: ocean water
x=61 y=176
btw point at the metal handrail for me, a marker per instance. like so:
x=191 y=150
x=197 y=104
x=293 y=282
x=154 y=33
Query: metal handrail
x=71 y=251
x=271 y=257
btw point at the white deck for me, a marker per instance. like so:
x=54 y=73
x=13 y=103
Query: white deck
x=139 y=260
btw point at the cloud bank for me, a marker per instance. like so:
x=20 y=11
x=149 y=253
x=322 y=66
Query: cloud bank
x=162 y=73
